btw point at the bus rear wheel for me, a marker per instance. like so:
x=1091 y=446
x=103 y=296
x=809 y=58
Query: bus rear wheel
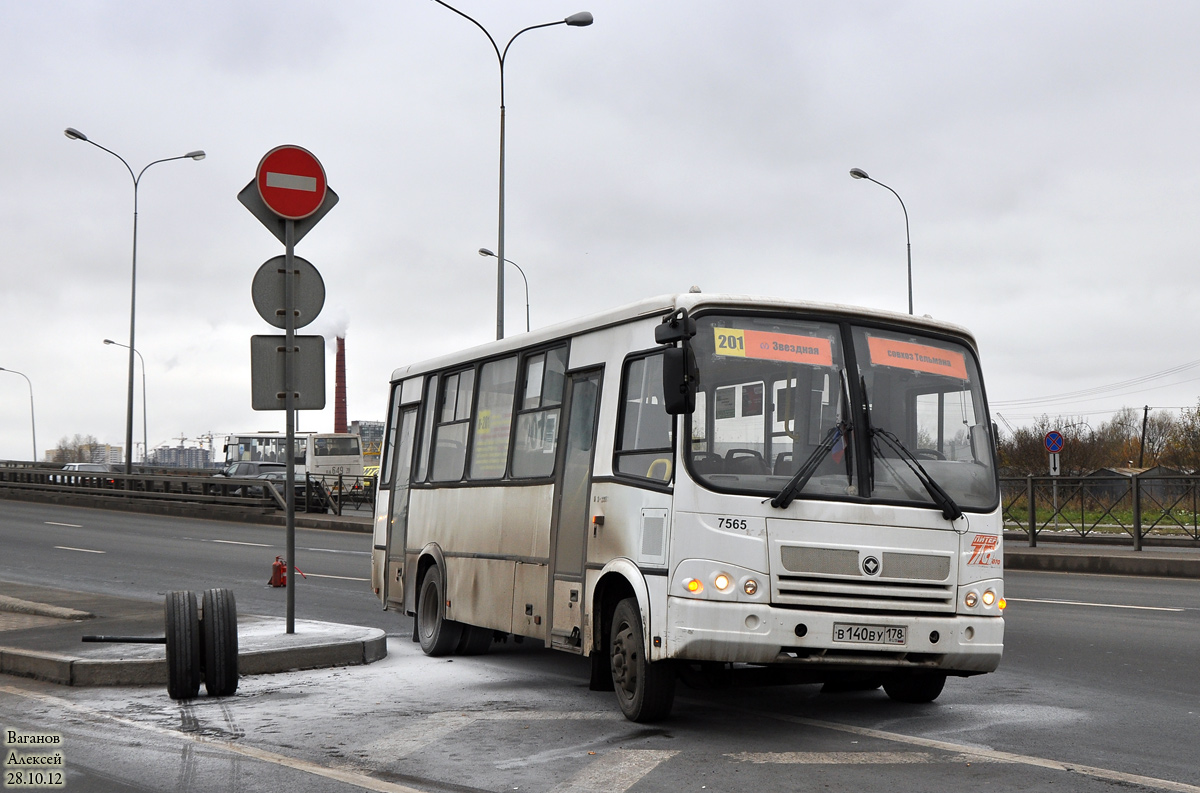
x=645 y=691
x=914 y=687
x=438 y=635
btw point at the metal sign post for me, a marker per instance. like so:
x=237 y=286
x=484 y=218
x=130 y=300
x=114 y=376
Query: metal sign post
x=289 y=195
x=1054 y=442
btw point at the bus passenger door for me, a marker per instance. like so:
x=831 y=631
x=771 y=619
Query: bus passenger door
x=393 y=581
x=572 y=491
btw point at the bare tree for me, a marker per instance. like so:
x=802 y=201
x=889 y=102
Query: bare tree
x=75 y=450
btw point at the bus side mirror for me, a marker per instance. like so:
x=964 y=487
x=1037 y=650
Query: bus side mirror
x=680 y=376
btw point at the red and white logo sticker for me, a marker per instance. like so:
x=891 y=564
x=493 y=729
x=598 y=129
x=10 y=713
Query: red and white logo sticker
x=983 y=550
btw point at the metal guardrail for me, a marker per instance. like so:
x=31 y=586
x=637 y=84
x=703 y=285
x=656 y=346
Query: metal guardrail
x=1100 y=507
x=206 y=489
x=313 y=493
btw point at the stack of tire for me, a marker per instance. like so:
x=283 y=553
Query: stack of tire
x=202 y=645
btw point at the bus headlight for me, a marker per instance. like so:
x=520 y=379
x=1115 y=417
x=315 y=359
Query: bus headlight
x=971 y=600
x=989 y=597
x=750 y=587
x=722 y=582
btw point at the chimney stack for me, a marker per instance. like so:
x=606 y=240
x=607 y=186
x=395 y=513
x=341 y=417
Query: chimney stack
x=339 y=389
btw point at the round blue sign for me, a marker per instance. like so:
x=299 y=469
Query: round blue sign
x=1054 y=441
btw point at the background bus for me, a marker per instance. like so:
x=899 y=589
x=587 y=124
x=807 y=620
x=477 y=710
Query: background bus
x=695 y=483
x=317 y=453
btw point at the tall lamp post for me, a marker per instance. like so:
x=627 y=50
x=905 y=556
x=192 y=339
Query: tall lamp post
x=859 y=173
x=75 y=134
x=579 y=20
x=32 y=424
x=486 y=252
x=145 y=439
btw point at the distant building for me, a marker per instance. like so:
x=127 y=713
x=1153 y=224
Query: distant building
x=180 y=457
x=370 y=434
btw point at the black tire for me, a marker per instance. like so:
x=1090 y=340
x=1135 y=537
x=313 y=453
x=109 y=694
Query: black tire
x=474 y=641
x=914 y=687
x=645 y=691
x=183 y=645
x=438 y=635
x=220 y=643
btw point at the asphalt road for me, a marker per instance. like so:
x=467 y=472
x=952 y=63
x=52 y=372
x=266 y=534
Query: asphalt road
x=1098 y=691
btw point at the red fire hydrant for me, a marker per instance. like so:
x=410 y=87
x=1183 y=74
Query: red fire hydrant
x=279 y=572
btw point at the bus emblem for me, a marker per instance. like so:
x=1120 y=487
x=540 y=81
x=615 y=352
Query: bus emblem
x=870 y=565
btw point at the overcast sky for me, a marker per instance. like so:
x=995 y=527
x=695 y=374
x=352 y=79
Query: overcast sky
x=1047 y=153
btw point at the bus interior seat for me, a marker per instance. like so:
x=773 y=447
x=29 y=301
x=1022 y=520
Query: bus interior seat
x=745 y=461
x=707 y=463
x=784 y=465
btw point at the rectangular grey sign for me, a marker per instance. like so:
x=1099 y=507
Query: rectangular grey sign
x=266 y=372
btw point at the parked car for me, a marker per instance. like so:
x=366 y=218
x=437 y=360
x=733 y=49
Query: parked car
x=247 y=470
x=72 y=473
x=311 y=496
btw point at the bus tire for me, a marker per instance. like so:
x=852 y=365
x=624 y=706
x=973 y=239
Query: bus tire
x=914 y=687
x=645 y=691
x=220 y=643
x=474 y=641
x=183 y=645
x=438 y=635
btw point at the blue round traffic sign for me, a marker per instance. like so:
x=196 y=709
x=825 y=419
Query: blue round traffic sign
x=1054 y=441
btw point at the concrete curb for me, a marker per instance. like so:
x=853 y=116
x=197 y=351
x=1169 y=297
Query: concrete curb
x=18 y=606
x=1063 y=561
x=297 y=652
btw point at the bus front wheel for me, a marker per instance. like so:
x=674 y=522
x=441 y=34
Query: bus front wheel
x=645 y=691
x=438 y=635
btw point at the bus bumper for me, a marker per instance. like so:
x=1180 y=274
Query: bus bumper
x=704 y=630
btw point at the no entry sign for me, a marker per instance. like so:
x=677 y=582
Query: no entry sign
x=291 y=182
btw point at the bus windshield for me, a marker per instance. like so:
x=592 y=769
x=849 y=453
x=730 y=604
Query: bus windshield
x=777 y=407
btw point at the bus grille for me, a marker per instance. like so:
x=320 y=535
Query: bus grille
x=862 y=596
x=832 y=579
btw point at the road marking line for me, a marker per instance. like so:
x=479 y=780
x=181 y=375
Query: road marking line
x=84 y=550
x=989 y=754
x=616 y=771
x=339 y=775
x=235 y=542
x=832 y=758
x=68 y=525
x=1097 y=605
x=418 y=734
x=331 y=550
x=341 y=577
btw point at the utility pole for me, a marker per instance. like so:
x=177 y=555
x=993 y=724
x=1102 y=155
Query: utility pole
x=1142 y=450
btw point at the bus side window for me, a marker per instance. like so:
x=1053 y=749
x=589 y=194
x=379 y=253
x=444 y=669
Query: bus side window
x=493 y=418
x=385 y=468
x=537 y=421
x=645 y=446
x=450 y=442
x=430 y=405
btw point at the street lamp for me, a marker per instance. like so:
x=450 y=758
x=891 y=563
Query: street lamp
x=32 y=424
x=859 y=173
x=579 y=20
x=486 y=252
x=145 y=440
x=75 y=134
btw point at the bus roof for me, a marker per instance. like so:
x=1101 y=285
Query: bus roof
x=661 y=306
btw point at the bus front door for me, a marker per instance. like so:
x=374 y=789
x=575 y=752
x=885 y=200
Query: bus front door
x=393 y=580
x=572 y=491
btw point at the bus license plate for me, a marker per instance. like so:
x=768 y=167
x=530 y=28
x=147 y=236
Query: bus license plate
x=869 y=634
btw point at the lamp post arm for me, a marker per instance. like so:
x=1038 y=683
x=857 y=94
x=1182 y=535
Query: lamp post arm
x=907 y=237
x=32 y=422
x=474 y=22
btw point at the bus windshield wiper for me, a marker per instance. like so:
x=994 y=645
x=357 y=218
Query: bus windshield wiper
x=797 y=482
x=840 y=430
x=950 y=510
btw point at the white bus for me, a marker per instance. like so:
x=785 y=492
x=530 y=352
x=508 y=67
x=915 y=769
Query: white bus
x=317 y=453
x=695 y=483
